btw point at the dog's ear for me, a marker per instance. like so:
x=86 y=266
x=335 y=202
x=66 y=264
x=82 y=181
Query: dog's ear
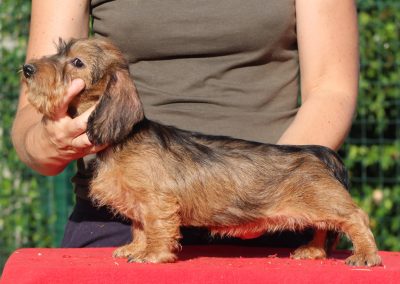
x=63 y=46
x=117 y=111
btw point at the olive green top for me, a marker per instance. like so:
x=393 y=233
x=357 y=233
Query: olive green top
x=221 y=67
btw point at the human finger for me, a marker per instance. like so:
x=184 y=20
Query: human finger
x=79 y=123
x=83 y=144
x=81 y=141
x=73 y=90
x=76 y=86
x=96 y=148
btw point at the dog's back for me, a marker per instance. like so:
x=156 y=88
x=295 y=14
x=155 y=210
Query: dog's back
x=214 y=146
x=329 y=157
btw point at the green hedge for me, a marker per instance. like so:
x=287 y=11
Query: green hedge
x=372 y=151
x=33 y=212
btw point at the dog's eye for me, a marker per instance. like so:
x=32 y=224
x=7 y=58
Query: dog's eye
x=77 y=63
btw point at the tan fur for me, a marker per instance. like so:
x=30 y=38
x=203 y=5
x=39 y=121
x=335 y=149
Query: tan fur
x=161 y=177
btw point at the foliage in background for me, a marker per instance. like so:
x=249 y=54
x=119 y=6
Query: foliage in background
x=33 y=212
x=372 y=150
x=28 y=208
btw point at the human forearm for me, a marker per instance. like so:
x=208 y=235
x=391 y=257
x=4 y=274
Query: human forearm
x=327 y=38
x=31 y=145
x=322 y=120
x=44 y=147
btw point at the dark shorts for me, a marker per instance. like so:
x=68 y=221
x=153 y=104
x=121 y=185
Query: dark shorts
x=89 y=226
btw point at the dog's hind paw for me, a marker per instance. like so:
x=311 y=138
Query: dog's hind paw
x=372 y=259
x=308 y=252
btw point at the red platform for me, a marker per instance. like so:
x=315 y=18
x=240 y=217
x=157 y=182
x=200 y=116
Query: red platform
x=197 y=264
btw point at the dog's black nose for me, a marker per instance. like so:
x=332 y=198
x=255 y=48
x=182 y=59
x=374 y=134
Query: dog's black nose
x=28 y=70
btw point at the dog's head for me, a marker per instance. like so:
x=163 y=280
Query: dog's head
x=107 y=83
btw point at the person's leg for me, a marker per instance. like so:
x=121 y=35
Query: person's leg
x=89 y=226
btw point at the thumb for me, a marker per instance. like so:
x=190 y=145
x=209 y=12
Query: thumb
x=77 y=85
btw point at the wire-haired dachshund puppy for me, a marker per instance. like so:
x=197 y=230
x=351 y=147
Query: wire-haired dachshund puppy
x=161 y=177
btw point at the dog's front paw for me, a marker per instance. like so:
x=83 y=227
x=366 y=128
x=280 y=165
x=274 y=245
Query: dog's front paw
x=372 y=259
x=309 y=252
x=126 y=251
x=134 y=254
x=163 y=257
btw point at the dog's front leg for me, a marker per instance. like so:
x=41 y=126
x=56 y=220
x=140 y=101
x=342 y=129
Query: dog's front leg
x=155 y=237
x=137 y=248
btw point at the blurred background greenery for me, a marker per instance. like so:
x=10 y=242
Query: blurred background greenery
x=34 y=209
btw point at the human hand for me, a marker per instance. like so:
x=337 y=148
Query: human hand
x=66 y=135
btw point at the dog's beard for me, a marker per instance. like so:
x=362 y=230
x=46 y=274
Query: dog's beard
x=47 y=100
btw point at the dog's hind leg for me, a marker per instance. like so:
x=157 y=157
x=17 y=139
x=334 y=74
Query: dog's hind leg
x=356 y=226
x=315 y=249
x=343 y=216
x=365 y=251
x=319 y=247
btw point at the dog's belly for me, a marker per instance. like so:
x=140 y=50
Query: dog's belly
x=273 y=223
x=247 y=222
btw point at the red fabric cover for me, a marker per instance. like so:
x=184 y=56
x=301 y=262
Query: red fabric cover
x=197 y=264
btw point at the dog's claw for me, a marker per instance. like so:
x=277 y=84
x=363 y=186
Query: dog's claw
x=135 y=260
x=123 y=252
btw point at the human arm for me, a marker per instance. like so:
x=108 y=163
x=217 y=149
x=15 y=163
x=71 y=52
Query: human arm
x=47 y=146
x=329 y=67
